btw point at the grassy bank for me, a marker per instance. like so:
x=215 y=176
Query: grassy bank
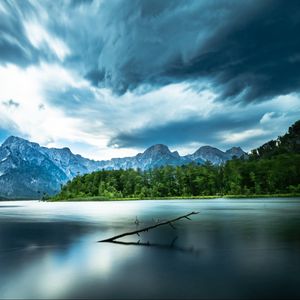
x=97 y=198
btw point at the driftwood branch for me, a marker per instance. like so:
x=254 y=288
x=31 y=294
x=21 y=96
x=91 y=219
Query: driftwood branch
x=112 y=239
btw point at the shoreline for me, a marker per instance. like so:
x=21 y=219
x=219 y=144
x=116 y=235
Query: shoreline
x=103 y=199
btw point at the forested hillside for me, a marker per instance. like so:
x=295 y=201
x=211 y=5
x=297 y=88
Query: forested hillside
x=288 y=143
x=271 y=169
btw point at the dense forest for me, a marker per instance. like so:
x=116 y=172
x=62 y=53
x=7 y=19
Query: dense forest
x=273 y=168
x=288 y=143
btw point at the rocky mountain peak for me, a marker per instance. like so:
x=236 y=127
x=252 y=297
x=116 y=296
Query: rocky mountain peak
x=14 y=141
x=65 y=150
x=176 y=154
x=208 y=153
x=158 y=149
x=208 y=149
x=235 y=151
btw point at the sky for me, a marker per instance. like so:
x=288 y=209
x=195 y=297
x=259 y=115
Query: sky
x=109 y=78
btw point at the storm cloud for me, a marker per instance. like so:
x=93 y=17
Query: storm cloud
x=122 y=75
x=223 y=127
x=14 y=44
x=245 y=50
x=24 y=37
x=185 y=131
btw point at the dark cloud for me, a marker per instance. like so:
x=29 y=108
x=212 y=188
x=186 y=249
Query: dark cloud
x=219 y=129
x=247 y=50
x=191 y=130
x=11 y=103
x=42 y=106
x=14 y=44
x=244 y=50
x=95 y=76
x=16 y=40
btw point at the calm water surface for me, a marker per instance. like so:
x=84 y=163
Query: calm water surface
x=247 y=248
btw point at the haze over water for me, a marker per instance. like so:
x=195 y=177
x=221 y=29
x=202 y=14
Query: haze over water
x=238 y=248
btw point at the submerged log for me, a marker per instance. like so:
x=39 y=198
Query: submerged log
x=112 y=239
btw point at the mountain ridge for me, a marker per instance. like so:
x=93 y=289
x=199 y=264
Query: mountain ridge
x=273 y=168
x=30 y=170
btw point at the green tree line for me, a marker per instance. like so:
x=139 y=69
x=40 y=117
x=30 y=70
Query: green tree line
x=273 y=168
x=273 y=175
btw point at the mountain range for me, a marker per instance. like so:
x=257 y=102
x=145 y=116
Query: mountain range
x=28 y=170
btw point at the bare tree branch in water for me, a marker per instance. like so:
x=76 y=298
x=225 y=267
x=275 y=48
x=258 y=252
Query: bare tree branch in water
x=146 y=229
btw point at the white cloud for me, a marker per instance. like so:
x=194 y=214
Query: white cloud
x=238 y=137
x=40 y=37
x=88 y=120
x=52 y=126
x=267 y=117
x=27 y=86
x=172 y=102
x=3 y=10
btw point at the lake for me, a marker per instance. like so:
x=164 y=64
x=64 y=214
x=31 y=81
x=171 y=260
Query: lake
x=234 y=248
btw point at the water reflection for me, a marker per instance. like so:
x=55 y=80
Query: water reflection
x=170 y=246
x=246 y=248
